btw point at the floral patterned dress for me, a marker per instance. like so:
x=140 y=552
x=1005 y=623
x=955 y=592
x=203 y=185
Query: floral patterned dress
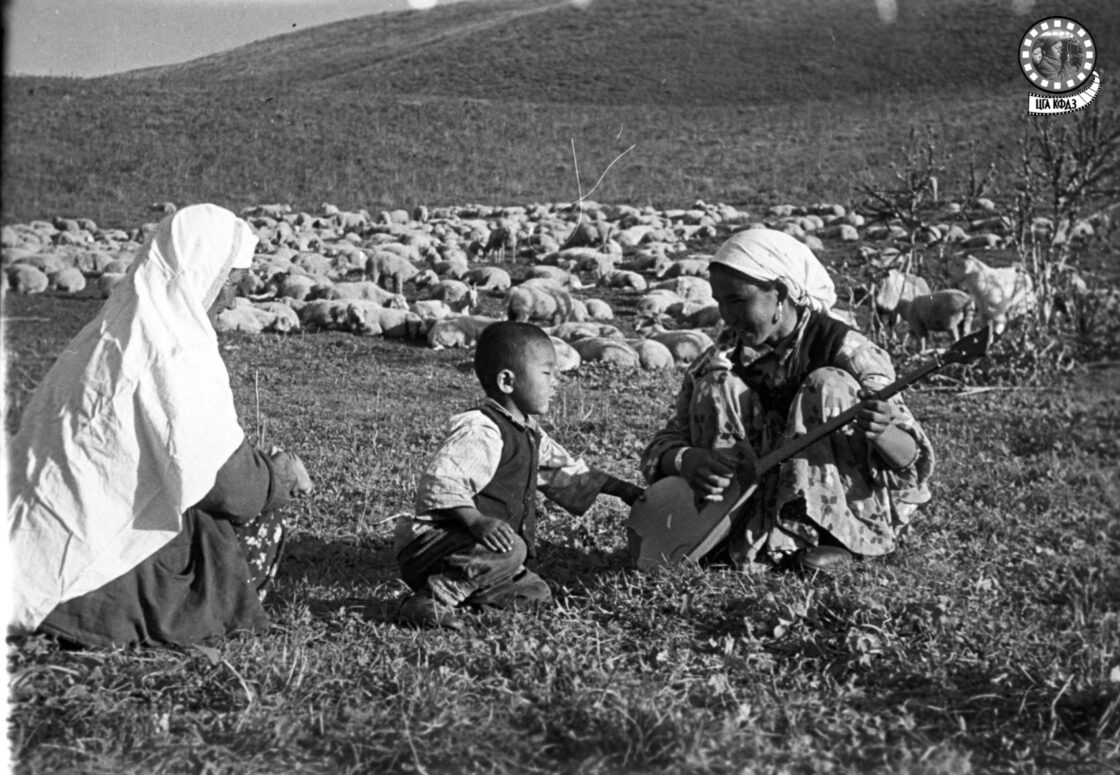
x=744 y=403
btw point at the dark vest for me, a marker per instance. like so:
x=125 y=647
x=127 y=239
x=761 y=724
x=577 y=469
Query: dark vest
x=511 y=495
x=824 y=336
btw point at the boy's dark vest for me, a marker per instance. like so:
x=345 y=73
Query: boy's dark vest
x=511 y=495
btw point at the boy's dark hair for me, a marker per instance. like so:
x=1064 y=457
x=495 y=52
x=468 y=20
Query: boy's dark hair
x=502 y=345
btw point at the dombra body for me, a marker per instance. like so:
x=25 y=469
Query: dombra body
x=669 y=524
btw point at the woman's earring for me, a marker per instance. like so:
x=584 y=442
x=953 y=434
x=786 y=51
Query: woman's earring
x=778 y=312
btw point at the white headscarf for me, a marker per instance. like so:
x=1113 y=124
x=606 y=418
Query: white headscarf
x=768 y=255
x=130 y=425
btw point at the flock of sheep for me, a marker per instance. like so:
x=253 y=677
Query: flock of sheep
x=424 y=275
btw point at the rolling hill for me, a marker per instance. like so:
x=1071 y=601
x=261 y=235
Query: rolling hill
x=502 y=101
x=651 y=51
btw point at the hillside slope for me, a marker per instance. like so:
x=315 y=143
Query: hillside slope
x=497 y=101
x=651 y=51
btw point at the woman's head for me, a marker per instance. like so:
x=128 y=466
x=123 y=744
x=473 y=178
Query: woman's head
x=197 y=247
x=759 y=276
x=757 y=310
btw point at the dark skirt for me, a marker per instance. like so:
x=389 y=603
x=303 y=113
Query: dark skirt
x=206 y=583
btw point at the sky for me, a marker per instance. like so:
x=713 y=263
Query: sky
x=96 y=37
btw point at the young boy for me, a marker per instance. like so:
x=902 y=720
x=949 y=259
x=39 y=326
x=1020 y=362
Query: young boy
x=475 y=522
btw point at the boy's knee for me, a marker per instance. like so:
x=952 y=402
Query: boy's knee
x=512 y=558
x=518 y=552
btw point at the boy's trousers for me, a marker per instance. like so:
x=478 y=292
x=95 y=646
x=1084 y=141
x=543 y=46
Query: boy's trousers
x=474 y=574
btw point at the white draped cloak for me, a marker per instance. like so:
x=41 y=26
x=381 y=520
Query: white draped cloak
x=129 y=427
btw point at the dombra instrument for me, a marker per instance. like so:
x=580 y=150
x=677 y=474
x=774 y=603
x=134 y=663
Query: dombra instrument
x=668 y=524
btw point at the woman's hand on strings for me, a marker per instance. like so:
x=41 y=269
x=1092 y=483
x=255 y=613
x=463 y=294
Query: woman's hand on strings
x=874 y=416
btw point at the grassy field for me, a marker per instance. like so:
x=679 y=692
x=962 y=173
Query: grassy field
x=989 y=643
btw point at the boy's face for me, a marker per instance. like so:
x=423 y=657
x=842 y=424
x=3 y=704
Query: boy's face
x=534 y=379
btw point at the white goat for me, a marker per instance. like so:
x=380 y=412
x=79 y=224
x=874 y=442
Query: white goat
x=1000 y=293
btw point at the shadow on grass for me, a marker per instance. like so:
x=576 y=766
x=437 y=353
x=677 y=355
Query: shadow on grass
x=568 y=566
x=356 y=575
x=362 y=576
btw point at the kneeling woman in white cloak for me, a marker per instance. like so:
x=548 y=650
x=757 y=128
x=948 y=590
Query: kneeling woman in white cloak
x=139 y=513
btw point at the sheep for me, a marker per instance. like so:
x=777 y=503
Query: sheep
x=596 y=263
x=391 y=323
x=1000 y=294
x=567 y=359
x=242 y=320
x=659 y=302
x=67 y=281
x=698 y=314
x=635 y=235
x=897 y=287
x=582 y=260
x=26 y=279
x=614 y=352
x=625 y=279
x=347 y=256
x=948 y=310
x=502 y=239
x=359 y=291
x=488 y=278
x=246 y=318
x=325 y=314
x=653 y=355
x=287 y=319
x=458 y=331
x=314 y=263
x=688 y=288
x=48 y=263
x=691 y=267
x=455 y=294
x=571 y=331
x=589 y=233
x=555 y=274
x=652 y=261
x=431 y=309
x=579 y=311
x=425 y=278
x=845 y=232
x=599 y=310
x=389 y=270
x=538 y=303
x=290 y=286
x=686 y=345
x=454 y=267
x=92 y=262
